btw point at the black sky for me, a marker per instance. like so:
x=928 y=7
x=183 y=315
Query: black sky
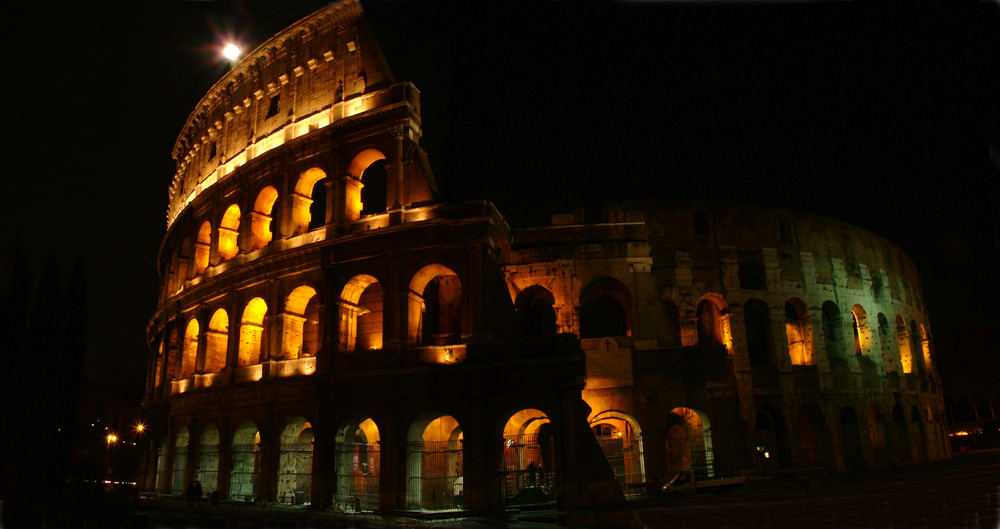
x=881 y=116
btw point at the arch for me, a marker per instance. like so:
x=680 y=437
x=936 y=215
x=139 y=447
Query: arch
x=919 y=435
x=535 y=309
x=798 y=331
x=253 y=332
x=208 y=458
x=901 y=445
x=308 y=194
x=361 y=303
x=355 y=195
x=713 y=321
x=246 y=460
x=673 y=327
x=850 y=435
x=862 y=334
x=925 y=347
x=877 y=435
x=217 y=341
x=300 y=323
x=374 y=187
x=903 y=341
x=295 y=462
x=260 y=218
x=358 y=464
x=202 y=247
x=620 y=438
x=181 y=441
x=229 y=232
x=158 y=369
x=833 y=331
x=184 y=263
x=689 y=443
x=189 y=351
x=528 y=457
x=814 y=436
x=916 y=352
x=434 y=469
x=770 y=446
x=883 y=339
x=172 y=275
x=605 y=309
x=757 y=320
x=434 y=306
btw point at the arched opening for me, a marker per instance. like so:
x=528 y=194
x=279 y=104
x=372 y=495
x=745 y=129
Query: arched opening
x=357 y=465
x=373 y=189
x=189 y=351
x=361 y=314
x=172 y=279
x=713 y=321
x=434 y=472
x=903 y=341
x=160 y=482
x=260 y=218
x=916 y=353
x=672 y=330
x=309 y=201
x=173 y=355
x=366 y=191
x=689 y=443
x=798 y=330
x=757 y=319
x=295 y=463
x=919 y=436
x=605 y=309
x=202 y=248
x=770 y=448
x=925 y=347
x=851 y=440
x=158 y=370
x=246 y=462
x=534 y=306
x=833 y=329
x=883 y=340
x=253 y=332
x=183 y=264
x=862 y=336
x=527 y=470
x=217 y=341
x=208 y=459
x=877 y=434
x=229 y=233
x=300 y=323
x=620 y=438
x=181 y=440
x=901 y=450
x=435 y=303
x=814 y=436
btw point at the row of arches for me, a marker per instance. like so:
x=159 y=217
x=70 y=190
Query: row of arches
x=433 y=307
x=433 y=467
x=250 y=226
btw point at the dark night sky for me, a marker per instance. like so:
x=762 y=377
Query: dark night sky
x=879 y=116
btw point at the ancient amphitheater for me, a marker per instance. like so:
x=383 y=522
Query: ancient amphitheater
x=330 y=334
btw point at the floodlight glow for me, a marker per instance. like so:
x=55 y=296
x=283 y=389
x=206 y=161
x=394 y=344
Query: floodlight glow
x=231 y=51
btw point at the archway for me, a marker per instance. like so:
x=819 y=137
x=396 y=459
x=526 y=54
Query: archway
x=814 y=436
x=245 y=462
x=229 y=232
x=833 y=331
x=862 y=333
x=295 y=463
x=903 y=341
x=605 y=309
x=253 y=332
x=208 y=459
x=300 y=323
x=202 y=247
x=534 y=306
x=878 y=441
x=309 y=201
x=189 y=350
x=757 y=319
x=689 y=443
x=527 y=468
x=713 y=321
x=919 y=437
x=925 y=347
x=434 y=469
x=850 y=436
x=260 y=219
x=366 y=185
x=361 y=314
x=181 y=441
x=620 y=438
x=770 y=446
x=798 y=330
x=435 y=302
x=358 y=462
x=217 y=341
x=901 y=446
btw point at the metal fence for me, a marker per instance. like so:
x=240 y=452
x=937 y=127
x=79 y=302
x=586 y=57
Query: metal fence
x=358 y=467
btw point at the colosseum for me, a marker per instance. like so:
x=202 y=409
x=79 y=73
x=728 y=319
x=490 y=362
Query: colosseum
x=329 y=333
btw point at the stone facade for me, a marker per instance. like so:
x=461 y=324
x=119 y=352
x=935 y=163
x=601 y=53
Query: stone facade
x=330 y=333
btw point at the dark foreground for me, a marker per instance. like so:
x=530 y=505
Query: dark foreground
x=962 y=493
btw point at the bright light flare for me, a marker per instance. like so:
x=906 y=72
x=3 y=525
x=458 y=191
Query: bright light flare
x=140 y=427
x=112 y=438
x=231 y=51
